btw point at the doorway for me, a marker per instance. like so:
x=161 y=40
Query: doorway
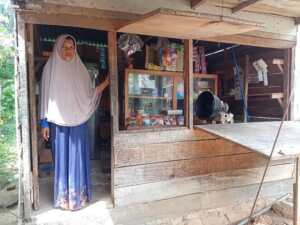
x=92 y=49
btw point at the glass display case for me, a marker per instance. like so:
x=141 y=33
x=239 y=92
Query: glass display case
x=153 y=99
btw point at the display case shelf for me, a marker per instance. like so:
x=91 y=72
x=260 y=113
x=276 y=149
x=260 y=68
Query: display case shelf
x=149 y=97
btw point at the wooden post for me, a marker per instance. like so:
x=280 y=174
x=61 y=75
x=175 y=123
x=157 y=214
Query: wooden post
x=286 y=80
x=296 y=191
x=293 y=83
x=174 y=98
x=114 y=99
x=23 y=123
x=247 y=63
x=188 y=82
x=33 y=116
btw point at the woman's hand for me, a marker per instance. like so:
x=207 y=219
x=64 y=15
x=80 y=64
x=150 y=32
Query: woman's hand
x=102 y=86
x=45 y=133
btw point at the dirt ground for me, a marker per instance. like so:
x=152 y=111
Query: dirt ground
x=8 y=216
x=147 y=214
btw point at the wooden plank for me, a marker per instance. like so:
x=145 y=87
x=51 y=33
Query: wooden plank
x=18 y=129
x=296 y=199
x=186 y=25
x=75 y=10
x=293 y=86
x=244 y=5
x=72 y=20
x=33 y=116
x=259 y=136
x=114 y=99
x=256 y=91
x=200 y=184
x=287 y=80
x=200 y=201
x=22 y=95
x=126 y=100
x=196 y=3
x=142 y=174
x=246 y=88
x=188 y=82
x=168 y=135
x=153 y=153
x=174 y=94
x=155 y=72
x=269 y=41
x=215 y=199
x=289 y=8
x=113 y=74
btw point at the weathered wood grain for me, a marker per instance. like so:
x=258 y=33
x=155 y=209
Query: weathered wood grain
x=162 y=152
x=23 y=103
x=142 y=174
x=259 y=137
x=33 y=115
x=136 y=138
x=188 y=82
x=200 y=184
x=113 y=89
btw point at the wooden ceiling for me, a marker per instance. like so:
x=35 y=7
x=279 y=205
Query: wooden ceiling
x=289 y=8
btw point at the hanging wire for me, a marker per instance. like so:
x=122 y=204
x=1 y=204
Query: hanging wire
x=270 y=156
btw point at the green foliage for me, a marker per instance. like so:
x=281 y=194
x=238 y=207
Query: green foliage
x=6 y=84
x=8 y=168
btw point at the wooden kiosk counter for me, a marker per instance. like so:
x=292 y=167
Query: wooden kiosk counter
x=259 y=138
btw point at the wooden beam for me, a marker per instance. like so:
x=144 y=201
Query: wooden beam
x=58 y=9
x=23 y=123
x=72 y=20
x=171 y=135
x=287 y=79
x=161 y=171
x=296 y=197
x=208 y=183
x=188 y=82
x=182 y=150
x=114 y=98
x=113 y=75
x=269 y=41
x=33 y=114
x=196 y=3
x=243 y=5
x=246 y=88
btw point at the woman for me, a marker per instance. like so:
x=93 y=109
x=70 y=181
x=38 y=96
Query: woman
x=68 y=100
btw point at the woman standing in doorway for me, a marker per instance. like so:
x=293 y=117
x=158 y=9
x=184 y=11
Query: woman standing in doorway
x=68 y=100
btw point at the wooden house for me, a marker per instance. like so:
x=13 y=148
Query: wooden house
x=174 y=158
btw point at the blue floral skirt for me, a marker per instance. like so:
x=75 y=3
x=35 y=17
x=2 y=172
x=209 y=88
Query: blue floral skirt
x=71 y=148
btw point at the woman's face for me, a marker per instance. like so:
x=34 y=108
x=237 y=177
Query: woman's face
x=67 y=50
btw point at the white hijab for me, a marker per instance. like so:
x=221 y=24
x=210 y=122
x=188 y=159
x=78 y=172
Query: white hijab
x=67 y=95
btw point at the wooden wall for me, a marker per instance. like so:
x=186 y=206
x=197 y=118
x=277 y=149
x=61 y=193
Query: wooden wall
x=265 y=103
x=158 y=165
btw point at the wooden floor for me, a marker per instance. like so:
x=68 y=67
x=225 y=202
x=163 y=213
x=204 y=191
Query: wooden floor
x=259 y=136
